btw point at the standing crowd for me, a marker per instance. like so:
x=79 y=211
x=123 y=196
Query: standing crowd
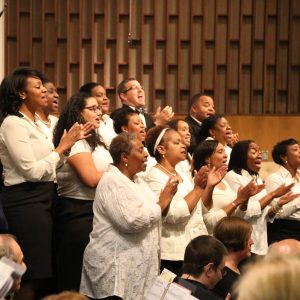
x=100 y=203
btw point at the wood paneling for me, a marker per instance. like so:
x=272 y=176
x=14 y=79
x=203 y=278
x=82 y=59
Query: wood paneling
x=245 y=53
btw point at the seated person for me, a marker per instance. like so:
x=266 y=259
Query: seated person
x=235 y=234
x=203 y=265
x=10 y=249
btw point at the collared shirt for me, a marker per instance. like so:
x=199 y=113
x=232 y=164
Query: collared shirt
x=140 y=114
x=26 y=152
x=106 y=129
x=196 y=120
x=283 y=176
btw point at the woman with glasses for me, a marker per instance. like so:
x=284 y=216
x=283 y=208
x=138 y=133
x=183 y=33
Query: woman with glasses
x=77 y=180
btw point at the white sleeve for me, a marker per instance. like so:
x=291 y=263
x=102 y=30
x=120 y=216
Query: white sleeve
x=212 y=217
x=273 y=182
x=178 y=211
x=16 y=137
x=125 y=208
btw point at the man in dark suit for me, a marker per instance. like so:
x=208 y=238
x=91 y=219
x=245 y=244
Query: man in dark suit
x=132 y=96
x=201 y=107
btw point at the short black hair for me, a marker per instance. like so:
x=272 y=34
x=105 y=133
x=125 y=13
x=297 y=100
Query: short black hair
x=239 y=157
x=201 y=251
x=87 y=87
x=122 y=118
x=202 y=152
x=281 y=149
x=208 y=124
x=11 y=86
x=196 y=97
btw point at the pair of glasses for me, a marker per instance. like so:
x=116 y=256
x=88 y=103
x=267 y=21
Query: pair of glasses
x=94 y=108
x=133 y=87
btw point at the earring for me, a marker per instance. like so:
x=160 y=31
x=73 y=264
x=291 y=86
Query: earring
x=163 y=156
x=286 y=161
x=126 y=165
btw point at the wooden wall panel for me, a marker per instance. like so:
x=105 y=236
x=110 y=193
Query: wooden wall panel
x=245 y=53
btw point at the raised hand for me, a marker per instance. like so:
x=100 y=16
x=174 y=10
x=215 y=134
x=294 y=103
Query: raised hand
x=167 y=194
x=216 y=175
x=287 y=198
x=163 y=116
x=200 y=177
x=282 y=189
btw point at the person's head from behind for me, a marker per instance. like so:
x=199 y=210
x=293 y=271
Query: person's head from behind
x=10 y=249
x=275 y=277
x=52 y=97
x=66 y=296
x=22 y=88
x=165 y=144
x=204 y=260
x=98 y=91
x=245 y=155
x=235 y=234
x=287 y=246
x=183 y=129
x=128 y=154
x=287 y=154
x=201 y=106
x=209 y=153
x=128 y=120
x=131 y=93
x=216 y=127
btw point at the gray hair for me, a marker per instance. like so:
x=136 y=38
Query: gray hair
x=121 y=144
x=5 y=246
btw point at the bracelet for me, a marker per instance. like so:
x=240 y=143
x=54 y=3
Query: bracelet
x=233 y=204
x=276 y=207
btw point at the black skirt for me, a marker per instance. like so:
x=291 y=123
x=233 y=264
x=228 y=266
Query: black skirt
x=73 y=224
x=27 y=207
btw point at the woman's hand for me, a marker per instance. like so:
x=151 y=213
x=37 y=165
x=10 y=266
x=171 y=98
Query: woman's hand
x=76 y=133
x=167 y=194
x=200 y=177
x=287 y=198
x=251 y=189
x=216 y=175
x=282 y=190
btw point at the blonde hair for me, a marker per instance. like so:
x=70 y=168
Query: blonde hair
x=275 y=277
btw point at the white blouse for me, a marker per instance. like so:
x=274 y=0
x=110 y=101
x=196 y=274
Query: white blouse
x=69 y=184
x=26 y=152
x=106 y=129
x=179 y=225
x=254 y=214
x=122 y=257
x=283 y=176
x=48 y=130
x=221 y=198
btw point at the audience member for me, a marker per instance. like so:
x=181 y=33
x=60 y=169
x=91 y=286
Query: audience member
x=10 y=249
x=122 y=257
x=276 y=277
x=184 y=219
x=77 y=180
x=287 y=223
x=201 y=107
x=44 y=115
x=288 y=246
x=224 y=201
x=132 y=96
x=106 y=128
x=244 y=166
x=203 y=266
x=29 y=160
x=235 y=234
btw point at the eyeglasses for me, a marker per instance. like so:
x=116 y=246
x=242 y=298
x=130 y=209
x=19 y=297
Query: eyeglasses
x=94 y=108
x=133 y=87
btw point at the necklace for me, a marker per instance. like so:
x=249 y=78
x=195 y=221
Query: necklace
x=174 y=174
x=45 y=122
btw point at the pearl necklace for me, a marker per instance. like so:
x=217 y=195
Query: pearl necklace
x=174 y=174
x=45 y=122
